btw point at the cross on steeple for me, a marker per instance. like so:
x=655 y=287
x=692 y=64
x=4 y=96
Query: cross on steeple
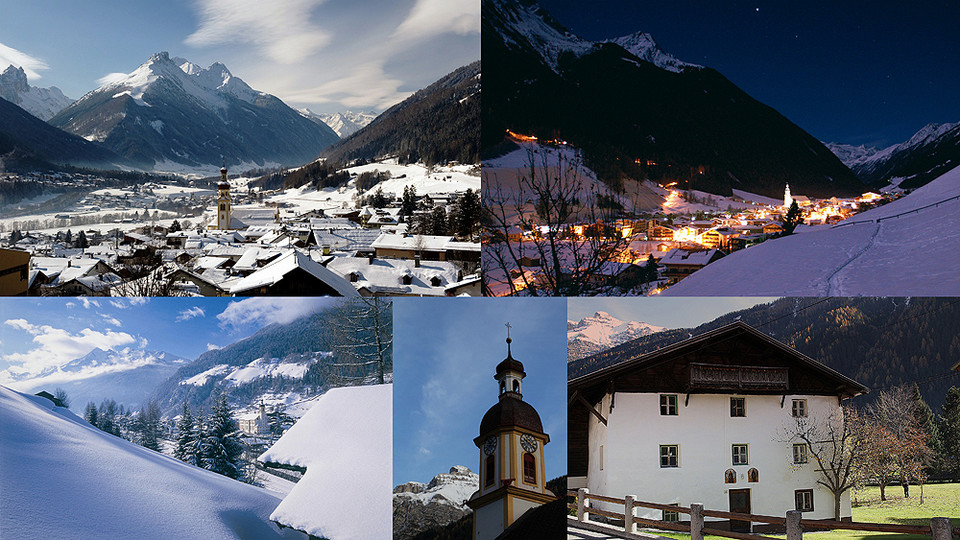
x=509 y=341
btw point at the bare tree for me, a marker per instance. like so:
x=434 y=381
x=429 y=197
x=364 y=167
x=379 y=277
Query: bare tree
x=895 y=412
x=363 y=339
x=554 y=223
x=836 y=445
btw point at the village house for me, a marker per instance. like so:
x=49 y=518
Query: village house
x=680 y=263
x=706 y=420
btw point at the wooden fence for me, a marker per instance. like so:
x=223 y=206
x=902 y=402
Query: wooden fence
x=940 y=528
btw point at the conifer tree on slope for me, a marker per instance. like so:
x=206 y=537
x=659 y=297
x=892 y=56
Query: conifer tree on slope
x=90 y=414
x=185 y=436
x=222 y=449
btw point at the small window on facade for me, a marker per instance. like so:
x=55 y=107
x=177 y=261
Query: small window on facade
x=671 y=515
x=753 y=475
x=503 y=387
x=804 y=500
x=799 y=408
x=669 y=455
x=516 y=386
x=738 y=406
x=488 y=472
x=601 y=457
x=668 y=404
x=800 y=453
x=529 y=468
x=739 y=454
x=223 y=207
x=730 y=476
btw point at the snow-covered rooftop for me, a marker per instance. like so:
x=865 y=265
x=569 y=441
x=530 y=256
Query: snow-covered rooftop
x=272 y=273
x=345 y=493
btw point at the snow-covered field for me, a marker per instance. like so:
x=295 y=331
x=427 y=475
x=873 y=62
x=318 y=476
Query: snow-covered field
x=910 y=247
x=436 y=180
x=60 y=477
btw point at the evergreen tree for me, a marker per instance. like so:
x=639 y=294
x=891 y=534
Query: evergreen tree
x=950 y=432
x=69 y=237
x=465 y=215
x=409 y=201
x=147 y=426
x=61 y=395
x=793 y=218
x=650 y=269
x=82 y=242
x=378 y=199
x=222 y=448
x=185 y=436
x=90 y=414
x=197 y=434
x=175 y=226
x=107 y=415
x=438 y=221
x=927 y=421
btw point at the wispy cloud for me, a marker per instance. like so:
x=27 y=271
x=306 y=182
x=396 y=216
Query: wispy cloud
x=269 y=310
x=87 y=303
x=30 y=64
x=191 y=313
x=366 y=85
x=56 y=346
x=282 y=31
x=109 y=319
x=213 y=346
x=111 y=78
x=430 y=18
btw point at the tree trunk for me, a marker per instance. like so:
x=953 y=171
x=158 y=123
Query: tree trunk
x=906 y=488
x=836 y=505
x=883 y=495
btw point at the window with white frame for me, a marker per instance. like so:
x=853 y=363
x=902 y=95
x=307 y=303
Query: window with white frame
x=668 y=405
x=669 y=455
x=738 y=406
x=799 y=408
x=739 y=454
x=804 y=500
x=671 y=515
x=800 y=453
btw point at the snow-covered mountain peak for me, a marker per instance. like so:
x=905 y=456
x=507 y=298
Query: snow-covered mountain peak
x=643 y=46
x=343 y=123
x=519 y=22
x=850 y=154
x=929 y=133
x=602 y=331
x=43 y=103
x=418 y=506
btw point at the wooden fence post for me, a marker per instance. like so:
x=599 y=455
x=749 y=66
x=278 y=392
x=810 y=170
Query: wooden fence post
x=696 y=521
x=582 y=504
x=629 y=525
x=941 y=528
x=794 y=532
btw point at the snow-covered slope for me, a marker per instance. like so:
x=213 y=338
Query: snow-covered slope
x=344 y=123
x=62 y=478
x=43 y=103
x=642 y=45
x=419 y=507
x=602 y=331
x=910 y=247
x=345 y=492
x=291 y=368
x=850 y=154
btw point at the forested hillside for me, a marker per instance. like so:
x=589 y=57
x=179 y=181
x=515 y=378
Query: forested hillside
x=879 y=342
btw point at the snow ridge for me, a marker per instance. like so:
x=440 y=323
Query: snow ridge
x=44 y=103
x=643 y=46
x=344 y=123
x=603 y=331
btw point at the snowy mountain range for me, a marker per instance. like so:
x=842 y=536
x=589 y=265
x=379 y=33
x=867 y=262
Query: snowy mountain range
x=930 y=152
x=127 y=376
x=344 y=123
x=639 y=112
x=602 y=331
x=43 y=103
x=419 y=507
x=170 y=112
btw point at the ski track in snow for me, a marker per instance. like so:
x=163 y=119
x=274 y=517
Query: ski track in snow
x=836 y=277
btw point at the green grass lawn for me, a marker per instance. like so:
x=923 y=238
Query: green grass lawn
x=939 y=500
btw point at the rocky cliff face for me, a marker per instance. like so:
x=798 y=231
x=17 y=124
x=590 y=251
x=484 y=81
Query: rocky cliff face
x=419 y=507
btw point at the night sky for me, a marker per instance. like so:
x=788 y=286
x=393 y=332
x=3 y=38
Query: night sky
x=855 y=72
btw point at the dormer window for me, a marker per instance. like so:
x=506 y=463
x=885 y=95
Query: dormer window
x=435 y=281
x=354 y=277
x=407 y=279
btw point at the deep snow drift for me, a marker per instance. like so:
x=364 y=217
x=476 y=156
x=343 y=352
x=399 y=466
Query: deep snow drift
x=60 y=477
x=344 y=442
x=910 y=247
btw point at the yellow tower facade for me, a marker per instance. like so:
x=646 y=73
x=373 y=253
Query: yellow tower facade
x=223 y=201
x=511 y=443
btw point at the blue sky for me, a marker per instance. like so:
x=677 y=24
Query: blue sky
x=667 y=312
x=36 y=333
x=445 y=355
x=328 y=55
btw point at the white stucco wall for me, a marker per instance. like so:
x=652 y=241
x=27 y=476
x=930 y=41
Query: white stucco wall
x=705 y=433
x=488 y=520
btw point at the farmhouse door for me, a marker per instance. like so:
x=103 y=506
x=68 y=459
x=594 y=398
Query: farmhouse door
x=740 y=502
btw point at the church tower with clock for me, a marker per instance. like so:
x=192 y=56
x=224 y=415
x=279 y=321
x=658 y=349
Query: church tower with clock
x=511 y=445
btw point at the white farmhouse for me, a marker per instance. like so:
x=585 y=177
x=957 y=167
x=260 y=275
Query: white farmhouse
x=706 y=420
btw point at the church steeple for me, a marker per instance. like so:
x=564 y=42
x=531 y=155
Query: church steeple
x=510 y=373
x=223 y=200
x=787 y=198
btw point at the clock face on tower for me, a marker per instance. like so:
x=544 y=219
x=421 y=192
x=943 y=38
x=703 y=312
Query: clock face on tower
x=528 y=443
x=489 y=445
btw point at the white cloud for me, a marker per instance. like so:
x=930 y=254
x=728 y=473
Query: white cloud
x=282 y=31
x=430 y=18
x=365 y=85
x=87 y=302
x=70 y=304
x=111 y=78
x=110 y=320
x=138 y=300
x=56 y=346
x=270 y=310
x=212 y=346
x=188 y=314
x=30 y=64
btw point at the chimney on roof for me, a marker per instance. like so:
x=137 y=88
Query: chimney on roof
x=371 y=258
x=416 y=261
